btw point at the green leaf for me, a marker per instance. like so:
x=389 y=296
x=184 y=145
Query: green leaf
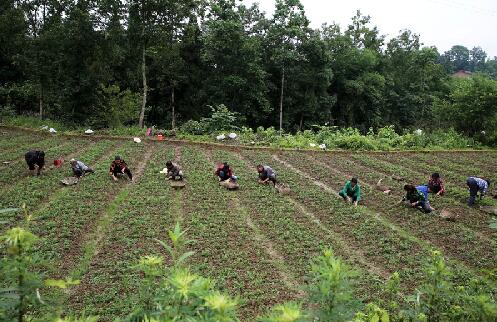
x=9 y=210
x=184 y=257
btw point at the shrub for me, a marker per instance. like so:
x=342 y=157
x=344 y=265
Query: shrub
x=117 y=107
x=193 y=127
x=221 y=119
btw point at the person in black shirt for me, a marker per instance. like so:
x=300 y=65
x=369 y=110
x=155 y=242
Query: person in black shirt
x=35 y=160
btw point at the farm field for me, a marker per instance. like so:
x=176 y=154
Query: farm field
x=254 y=243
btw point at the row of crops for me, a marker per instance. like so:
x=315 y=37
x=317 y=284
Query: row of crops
x=255 y=243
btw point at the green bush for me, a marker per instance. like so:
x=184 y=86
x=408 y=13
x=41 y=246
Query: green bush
x=221 y=119
x=193 y=127
x=117 y=107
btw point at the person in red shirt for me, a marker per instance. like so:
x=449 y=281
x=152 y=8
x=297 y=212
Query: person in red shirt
x=119 y=166
x=436 y=184
x=224 y=172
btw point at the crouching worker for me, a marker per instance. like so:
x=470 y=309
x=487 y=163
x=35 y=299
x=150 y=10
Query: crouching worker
x=266 y=174
x=224 y=172
x=417 y=197
x=119 y=167
x=79 y=169
x=476 y=185
x=436 y=184
x=351 y=191
x=174 y=171
x=35 y=160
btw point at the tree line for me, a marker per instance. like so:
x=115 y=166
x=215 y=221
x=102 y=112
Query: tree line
x=108 y=63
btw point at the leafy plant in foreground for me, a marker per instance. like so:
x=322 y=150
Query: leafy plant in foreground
x=332 y=289
x=17 y=267
x=171 y=293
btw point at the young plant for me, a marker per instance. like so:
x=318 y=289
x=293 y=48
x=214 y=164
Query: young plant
x=288 y=312
x=332 y=289
x=175 y=293
x=17 y=268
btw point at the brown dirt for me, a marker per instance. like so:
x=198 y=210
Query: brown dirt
x=90 y=231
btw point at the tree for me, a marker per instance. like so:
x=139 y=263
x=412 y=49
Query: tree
x=143 y=18
x=233 y=58
x=287 y=31
x=413 y=80
x=457 y=58
x=358 y=84
x=13 y=31
x=477 y=59
x=168 y=63
x=471 y=107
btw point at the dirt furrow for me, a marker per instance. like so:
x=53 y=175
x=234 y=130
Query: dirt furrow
x=89 y=244
x=354 y=255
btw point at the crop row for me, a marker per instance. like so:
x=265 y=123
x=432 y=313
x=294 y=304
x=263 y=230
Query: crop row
x=453 y=201
x=383 y=241
x=455 y=174
x=46 y=144
x=456 y=240
x=16 y=141
x=137 y=215
x=53 y=147
x=73 y=212
x=227 y=248
x=36 y=192
x=293 y=231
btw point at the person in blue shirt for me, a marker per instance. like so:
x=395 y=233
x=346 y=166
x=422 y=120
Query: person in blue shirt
x=476 y=185
x=418 y=197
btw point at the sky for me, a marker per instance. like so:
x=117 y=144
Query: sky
x=440 y=23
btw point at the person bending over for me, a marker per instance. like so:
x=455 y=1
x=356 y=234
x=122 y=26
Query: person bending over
x=174 y=171
x=119 y=167
x=417 y=197
x=351 y=191
x=36 y=161
x=266 y=174
x=476 y=185
x=224 y=172
x=79 y=169
x=436 y=184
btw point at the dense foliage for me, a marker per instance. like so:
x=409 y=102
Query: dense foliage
x=112 y=63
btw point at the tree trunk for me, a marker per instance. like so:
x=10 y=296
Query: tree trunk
x=144 y=77
x=301 y=121
x=281 y=99
x=173 y=116
x=41 y=102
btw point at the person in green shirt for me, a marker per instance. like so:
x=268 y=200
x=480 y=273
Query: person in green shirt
x=351 y=191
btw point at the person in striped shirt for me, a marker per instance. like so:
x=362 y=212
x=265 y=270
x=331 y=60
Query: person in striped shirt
x=476 y=185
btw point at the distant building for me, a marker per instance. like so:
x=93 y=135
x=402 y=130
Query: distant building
x=462 y=74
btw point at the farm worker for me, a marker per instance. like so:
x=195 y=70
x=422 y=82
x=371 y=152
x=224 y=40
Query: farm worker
x=119 y=166
x=174 y=171
x=266 y=174
x=351 y=190
x=436 y=184
x=418 y=197
x=35 y=158
x=476 y=185
x=224 y=172
x=79 y=169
